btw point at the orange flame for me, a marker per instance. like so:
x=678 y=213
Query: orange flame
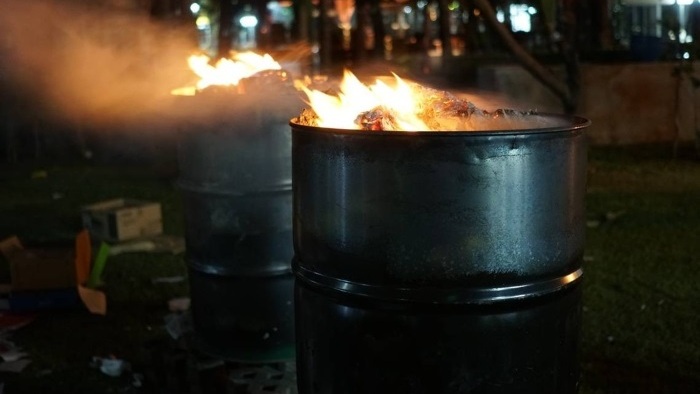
x=355 y=98
x=226 y=72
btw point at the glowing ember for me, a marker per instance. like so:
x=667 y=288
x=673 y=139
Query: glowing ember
x=226 y=72
x=403 y=107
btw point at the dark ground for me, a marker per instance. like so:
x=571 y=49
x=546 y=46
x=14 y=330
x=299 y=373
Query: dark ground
x=641 y=288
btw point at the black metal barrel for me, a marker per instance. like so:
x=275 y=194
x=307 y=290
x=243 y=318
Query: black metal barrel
x=439 y=262
x=235 y=178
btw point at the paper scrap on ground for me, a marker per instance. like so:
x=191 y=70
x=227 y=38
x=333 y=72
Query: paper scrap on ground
x=156 y=244
x=13 y=355
x=168 y=279
x=9 y=351
x=95 y=301
x=15 y=366
x=177 y=324
x=112 y=367
x=11 y=321
x=179 y=304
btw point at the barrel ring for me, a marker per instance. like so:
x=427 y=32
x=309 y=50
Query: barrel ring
x=435 y=295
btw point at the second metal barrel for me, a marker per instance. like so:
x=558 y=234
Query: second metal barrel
x=235 y=178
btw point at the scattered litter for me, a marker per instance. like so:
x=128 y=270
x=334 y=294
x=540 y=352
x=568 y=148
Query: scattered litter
x=588 y=258
x=614 y=215
x=611 y=338
x=95 y=301
x=592 y=223
x=177 y=324
x=56 y=196
x=265 y=379
x=209 y=363
x=661 y=302
x=155 y=244
x=9 y=351
x=168 y=279
x=585 y=309
x=643 y=307
x=13 y=355
x=133 y=247
x=266 y=335
x=179 y=304
x=137 y=380
x=43 y=372
x=16 y=366
x=609 y=216
x=40 y=174
x=13 y=322
x=110 y=366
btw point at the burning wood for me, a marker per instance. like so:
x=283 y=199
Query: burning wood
x=380 y=118
x=406 y=107
x=244 y=70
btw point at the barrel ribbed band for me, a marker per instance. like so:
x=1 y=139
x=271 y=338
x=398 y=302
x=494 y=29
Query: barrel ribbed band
x=232 y=270
x=438 y=295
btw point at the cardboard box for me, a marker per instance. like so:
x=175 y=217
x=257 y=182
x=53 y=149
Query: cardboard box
x=39 y=269
x=122 y=219
x=49 y=278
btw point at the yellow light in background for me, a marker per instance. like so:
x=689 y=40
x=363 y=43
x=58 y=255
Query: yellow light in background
x=202 y=22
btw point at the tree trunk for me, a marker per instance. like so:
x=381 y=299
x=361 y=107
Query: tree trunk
x=445 y=35
x=360 y=36
x=564 y=92
x=378 y=27
x=426 y=41
x=302 y=20
x=471 y=30
x=570 y=54
x=225 y=35
x=325 y=33
x=262 y=30
x=606 y=39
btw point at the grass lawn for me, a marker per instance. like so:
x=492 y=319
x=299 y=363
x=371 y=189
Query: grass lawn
x=641 y=288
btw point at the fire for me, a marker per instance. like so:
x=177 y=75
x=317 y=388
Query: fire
x=398 y=105
x=226 y=72
x=406 y=106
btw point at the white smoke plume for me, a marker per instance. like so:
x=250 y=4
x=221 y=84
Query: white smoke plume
x=93 y=61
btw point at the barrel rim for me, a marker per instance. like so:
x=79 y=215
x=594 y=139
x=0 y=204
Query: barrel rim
x=435 y=295
x=570 y=124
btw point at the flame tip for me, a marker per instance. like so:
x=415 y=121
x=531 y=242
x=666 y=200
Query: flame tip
x=378 y=106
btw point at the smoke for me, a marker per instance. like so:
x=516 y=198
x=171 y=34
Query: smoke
x=95 y=62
